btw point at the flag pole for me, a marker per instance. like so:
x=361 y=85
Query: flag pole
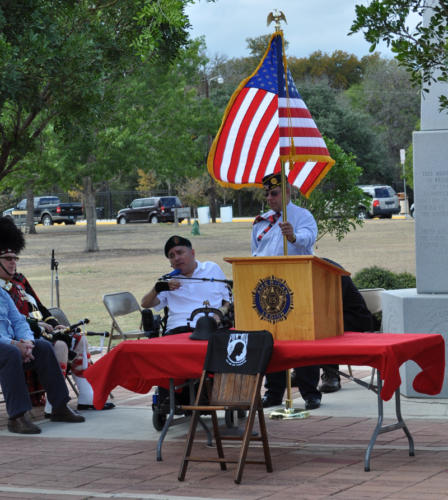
x=287 y=413
x=285 y=215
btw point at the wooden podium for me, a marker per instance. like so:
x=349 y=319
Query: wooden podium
x=295 y=297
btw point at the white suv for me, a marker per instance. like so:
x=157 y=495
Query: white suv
x=384 y=202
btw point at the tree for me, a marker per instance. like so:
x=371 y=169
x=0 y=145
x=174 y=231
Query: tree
x=35 y=176
x=58 y=61
x=421 y=50
x=353 y=130
x=334 y=203
x=55 y=56
x=146 y=181
x=195 y=191
x=387 y=96
x=340 y=68
x=152 y=119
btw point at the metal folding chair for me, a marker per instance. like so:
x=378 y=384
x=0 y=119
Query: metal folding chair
x=123 y=305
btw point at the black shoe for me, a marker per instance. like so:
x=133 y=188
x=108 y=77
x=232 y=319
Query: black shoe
x=312 y=403
x=107 y=406
x=268 y=401
x=66 y=414
x=330 y=383
x=22 y=425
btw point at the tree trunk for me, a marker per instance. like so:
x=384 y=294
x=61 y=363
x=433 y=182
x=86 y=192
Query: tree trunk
x=90 y=214
x=30 y=227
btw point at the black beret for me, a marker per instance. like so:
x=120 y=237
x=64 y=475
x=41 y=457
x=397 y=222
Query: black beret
x=11 y=237
x=176 y=241
x=272 y=181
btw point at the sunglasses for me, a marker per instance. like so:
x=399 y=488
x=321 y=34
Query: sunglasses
x=273 y=192
x=10 y=259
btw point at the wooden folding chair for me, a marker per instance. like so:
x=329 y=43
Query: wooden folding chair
x=233 y=372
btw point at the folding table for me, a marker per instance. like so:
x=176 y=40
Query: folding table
x=137 y=365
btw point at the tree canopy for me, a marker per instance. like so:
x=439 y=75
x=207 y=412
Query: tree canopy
x=422 y=49
x=56 y=55
x=114 y=93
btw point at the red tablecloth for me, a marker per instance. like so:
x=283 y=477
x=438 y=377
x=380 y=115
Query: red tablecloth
x=138 y=365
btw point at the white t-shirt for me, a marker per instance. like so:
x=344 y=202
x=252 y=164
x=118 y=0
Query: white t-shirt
x=192 y=294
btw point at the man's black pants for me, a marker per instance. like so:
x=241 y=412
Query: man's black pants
x=12 y=377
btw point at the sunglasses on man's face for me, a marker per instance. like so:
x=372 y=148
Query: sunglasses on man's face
x=10 y=259
x=272 y=192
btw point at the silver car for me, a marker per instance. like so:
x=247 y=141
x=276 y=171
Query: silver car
x=384 y=202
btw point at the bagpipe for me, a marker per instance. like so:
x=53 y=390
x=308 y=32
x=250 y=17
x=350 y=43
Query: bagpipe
x=68 y=334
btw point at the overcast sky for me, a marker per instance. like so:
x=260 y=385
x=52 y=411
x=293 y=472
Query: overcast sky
x=312 y=25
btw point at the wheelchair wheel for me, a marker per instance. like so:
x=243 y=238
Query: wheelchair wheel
x=158 y=420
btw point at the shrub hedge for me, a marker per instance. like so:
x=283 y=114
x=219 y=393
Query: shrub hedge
x=378 y=277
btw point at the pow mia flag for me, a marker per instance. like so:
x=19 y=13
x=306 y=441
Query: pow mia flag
x=239 y=351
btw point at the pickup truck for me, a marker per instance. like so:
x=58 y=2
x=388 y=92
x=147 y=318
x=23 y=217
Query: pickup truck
x=48 y=210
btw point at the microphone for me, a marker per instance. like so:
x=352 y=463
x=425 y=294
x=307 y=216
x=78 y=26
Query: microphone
x=174 y=272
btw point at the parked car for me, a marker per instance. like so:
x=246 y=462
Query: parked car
x=384 y=202
x=48 y=210
x=155 y=209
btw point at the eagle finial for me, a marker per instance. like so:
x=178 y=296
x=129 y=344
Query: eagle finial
x=277 y=16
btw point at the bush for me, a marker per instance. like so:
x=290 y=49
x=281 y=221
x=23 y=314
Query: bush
x=378 y=277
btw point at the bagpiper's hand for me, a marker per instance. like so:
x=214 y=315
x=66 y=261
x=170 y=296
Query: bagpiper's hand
x=45 y=326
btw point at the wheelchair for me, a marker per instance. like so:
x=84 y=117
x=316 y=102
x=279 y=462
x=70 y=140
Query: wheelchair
x=167 y=401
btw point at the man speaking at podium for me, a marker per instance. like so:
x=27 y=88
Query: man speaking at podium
x=300 y=230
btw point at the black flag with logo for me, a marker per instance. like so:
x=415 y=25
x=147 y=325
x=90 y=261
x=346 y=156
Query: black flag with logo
x=239 y=351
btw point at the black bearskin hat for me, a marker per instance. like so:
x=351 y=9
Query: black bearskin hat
x=11 y=237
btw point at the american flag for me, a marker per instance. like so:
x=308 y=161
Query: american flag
x=267 y=121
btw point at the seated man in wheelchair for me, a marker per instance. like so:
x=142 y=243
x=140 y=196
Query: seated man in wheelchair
x=191 y=285
x=187 y=287
x=71 y=350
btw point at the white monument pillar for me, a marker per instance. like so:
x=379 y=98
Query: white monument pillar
x=425 y=309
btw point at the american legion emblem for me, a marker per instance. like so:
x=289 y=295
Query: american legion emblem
x=272 y=299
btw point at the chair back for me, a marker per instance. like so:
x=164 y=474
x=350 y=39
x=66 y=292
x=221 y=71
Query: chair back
x=238 y=360
x=118 y=305
x=239 y=351
x=60 y=316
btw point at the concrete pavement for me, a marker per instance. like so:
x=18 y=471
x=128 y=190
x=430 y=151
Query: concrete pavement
x=112 y=455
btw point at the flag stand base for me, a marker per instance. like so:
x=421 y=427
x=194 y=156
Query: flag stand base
x=289 y=413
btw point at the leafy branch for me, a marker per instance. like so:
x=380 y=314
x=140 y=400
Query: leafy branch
x=422 y=50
